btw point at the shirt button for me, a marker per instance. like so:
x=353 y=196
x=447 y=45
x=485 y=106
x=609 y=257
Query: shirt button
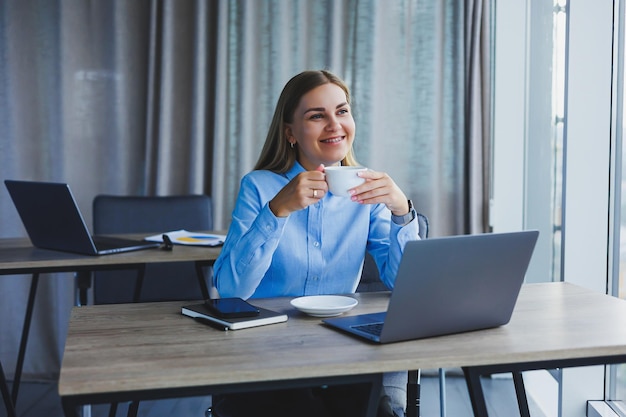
x=316 y=244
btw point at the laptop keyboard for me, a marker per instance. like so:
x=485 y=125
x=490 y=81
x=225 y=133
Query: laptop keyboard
x=371 y=328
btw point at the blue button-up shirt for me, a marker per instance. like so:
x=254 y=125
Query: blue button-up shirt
x=317 y=250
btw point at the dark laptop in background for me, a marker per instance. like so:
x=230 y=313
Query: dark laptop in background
x=449 y=285
x=53 y=221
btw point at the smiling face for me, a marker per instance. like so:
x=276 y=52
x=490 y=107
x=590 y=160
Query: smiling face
x=322 y=128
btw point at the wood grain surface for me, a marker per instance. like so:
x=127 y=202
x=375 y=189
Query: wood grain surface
x=135 y=347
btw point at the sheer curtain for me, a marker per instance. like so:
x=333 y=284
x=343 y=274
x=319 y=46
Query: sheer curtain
x=111 y=97
x=416 y=70
x=173 y=97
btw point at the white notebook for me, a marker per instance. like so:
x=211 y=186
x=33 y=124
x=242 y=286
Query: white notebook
x=184 y=237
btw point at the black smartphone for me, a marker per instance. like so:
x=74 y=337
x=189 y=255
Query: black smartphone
x=231 y=307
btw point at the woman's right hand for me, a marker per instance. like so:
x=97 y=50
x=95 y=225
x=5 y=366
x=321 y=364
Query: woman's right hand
x=302 y=191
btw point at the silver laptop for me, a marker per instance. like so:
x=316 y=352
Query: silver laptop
x=449 y=285
x=53 y=221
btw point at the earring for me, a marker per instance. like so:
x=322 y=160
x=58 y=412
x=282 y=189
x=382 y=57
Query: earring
x=291 y=143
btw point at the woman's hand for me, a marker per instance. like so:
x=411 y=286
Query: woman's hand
x=380 y=188
x=302 y=191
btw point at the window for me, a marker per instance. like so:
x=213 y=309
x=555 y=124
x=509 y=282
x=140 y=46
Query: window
x=554 y=153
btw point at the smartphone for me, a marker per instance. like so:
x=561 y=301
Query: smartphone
x=231 y=307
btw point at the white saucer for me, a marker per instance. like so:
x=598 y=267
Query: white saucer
x=324 y=305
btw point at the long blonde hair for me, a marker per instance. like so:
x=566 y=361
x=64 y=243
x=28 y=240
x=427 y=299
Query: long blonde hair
x=277 y=155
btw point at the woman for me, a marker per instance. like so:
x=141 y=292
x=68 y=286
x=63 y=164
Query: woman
x=289 y=236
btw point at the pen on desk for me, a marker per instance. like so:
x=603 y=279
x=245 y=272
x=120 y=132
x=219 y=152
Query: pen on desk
x=211 y=323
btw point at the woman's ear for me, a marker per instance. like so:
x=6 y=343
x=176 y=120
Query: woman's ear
x=288 y=133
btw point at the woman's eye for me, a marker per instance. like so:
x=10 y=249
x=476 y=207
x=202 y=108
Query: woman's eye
x=316 y=116
x=343 y=111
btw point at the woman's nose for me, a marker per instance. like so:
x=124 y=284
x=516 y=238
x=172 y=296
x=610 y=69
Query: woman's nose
x=333 y=124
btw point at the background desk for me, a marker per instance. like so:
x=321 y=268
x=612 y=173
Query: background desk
x=146 y=351
x=18 y=256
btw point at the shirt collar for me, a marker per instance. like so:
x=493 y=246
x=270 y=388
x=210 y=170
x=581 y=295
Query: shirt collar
x=295 y=170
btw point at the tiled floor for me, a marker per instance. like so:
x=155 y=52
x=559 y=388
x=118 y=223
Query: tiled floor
x=41 y=400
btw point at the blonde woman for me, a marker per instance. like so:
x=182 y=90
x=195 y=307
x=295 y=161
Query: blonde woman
x=290 y=236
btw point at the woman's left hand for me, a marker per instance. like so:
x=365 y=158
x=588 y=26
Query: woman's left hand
x=380 y=188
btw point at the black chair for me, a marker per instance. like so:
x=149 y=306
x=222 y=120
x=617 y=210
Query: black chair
x=164 y=281
x=151 y=215
x=370 y=278
x=370 y=281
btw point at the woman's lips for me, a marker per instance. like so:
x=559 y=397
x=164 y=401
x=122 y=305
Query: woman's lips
x=332 y=140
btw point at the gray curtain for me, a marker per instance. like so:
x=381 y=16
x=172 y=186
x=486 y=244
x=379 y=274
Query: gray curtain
x=173 y=97
x=416 y=70
x=111 y=97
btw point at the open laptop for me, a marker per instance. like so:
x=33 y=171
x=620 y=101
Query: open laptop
x=53 y=221
x=449 y=285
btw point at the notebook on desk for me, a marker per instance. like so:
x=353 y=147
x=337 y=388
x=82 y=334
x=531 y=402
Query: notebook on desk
x=265 y=317
x=449 y=285
x=53 y=221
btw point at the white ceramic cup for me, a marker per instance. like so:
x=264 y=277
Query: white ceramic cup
x=342 y=178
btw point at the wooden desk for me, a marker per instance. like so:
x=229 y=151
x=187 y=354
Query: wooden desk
x=18 y=256
x=146 y=351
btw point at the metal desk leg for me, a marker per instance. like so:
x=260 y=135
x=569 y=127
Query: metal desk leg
x=69 y=409
x=520 y=391
x=413 y=394
x=83 y=283
x=442 y=392
x=113 y=410
x=25 y=330
x=475 y=389
x=133 y=408
x=6 y=396
x=139 y=283
x=201 y=280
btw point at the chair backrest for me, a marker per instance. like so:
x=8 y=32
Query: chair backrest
x=150 y=215
x=370 y=277
x=140 y=214
x=422 y=220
